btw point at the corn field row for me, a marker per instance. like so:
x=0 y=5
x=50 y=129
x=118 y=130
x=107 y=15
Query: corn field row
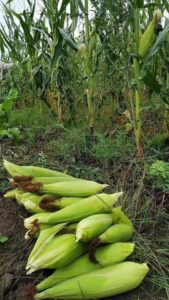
x=87 y=59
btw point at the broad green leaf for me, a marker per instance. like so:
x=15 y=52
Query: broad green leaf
x=139 y=3
x=158 y=44
x=63 y=6
x=67 y=37
x=3 y=239
x=6 y=106
x=8 y=2
x=9 y=43
x=28 y=36
x=81 y=6
x=150 y=80
x=148 y=5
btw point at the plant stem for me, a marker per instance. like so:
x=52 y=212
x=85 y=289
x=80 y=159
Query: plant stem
x=166 y=113
x=138 y=87
x=89 y=72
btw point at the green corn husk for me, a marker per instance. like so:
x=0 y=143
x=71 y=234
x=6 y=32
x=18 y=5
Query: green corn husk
x=66 y=201
x=119 y=217
x=101 y=203
x=32 y=207
x=18 y=196
x=116 y=233
x=44 y=238
x=57 y=253
x=15 y=170
x=147 y=39
x=10 y=194
x=41 y=218
x=36 y=232
x=121 y=231
x=58 y=203
x=106 y=282
x=92 y=43
x=69 y=228
x=77 y=188
x=105 y=256
x=31 y=202
x=50 y=180
x=93 y=226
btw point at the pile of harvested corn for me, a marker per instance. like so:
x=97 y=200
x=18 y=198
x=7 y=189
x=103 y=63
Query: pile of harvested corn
x=80 y=234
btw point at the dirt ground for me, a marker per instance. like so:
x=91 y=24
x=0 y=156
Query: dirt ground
x=14 y=254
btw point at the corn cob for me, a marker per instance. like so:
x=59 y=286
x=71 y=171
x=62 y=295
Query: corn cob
x=18 y=196
x=91 y=227
x=82 y=50
x=119 y=217
x=31 y=203
x=15 y=170
x=50 y=180
x=101 y=203
x=69 y=228
x=121 y=231
x=92 y=43
x=147 y=39
x=36 y=231
x=34 y=203
x=58 y=252
x=79 y=188
x=116 y=233
x=37 y=219
x=99 y=284
x=58 y=203
x=44 y=238
x=105 y=256
x=66 y=201
x=10 y=194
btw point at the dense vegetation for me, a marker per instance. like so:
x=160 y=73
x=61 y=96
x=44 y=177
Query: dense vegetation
x=87 y=91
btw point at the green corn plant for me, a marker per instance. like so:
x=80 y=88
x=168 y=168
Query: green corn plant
x=36 y=48
x=86 y=52
x=142 y=46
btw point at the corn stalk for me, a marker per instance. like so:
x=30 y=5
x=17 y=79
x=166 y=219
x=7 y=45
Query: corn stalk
x=89 y=72
x=137 y=125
